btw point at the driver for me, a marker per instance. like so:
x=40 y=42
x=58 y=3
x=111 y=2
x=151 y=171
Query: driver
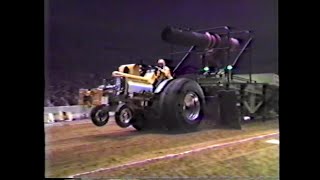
x=164 y=69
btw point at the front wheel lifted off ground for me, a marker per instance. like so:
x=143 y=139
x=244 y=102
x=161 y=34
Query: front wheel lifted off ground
x=100 y=115
x=123 y=116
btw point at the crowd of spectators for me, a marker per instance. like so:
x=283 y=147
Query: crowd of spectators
x=61 y=91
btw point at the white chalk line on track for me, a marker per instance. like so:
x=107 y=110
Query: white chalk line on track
x=177 y=154
x=273 y=141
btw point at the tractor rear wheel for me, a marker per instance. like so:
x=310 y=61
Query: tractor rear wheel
x=138 y=124
x=181 y=105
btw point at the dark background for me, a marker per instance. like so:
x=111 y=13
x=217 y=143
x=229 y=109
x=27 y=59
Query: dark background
x=96 y=36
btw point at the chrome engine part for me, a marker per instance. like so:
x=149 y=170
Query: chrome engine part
x=134 y=87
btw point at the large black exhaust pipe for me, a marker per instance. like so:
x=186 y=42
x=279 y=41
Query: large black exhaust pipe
x=188 y=38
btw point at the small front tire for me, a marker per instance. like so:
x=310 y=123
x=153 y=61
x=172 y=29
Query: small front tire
x=123 y=116
x=100 y=115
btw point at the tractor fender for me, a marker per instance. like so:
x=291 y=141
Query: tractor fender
x=162 y=85
x=118 y=107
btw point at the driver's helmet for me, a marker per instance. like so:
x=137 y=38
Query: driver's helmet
x=161 y=63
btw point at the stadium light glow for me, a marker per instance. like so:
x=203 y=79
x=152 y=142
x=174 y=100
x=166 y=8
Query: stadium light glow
x=229 y=67
x=206 y=68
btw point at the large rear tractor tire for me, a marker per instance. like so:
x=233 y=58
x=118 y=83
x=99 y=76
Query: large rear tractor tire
x=181 y=105
x=139 y=124
x=100 y=115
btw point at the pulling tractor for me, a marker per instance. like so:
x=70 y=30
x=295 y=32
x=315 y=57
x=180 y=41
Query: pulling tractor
x=140 y=95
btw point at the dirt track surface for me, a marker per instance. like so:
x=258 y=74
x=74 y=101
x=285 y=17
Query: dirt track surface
x=81 y=147
x=251 y=160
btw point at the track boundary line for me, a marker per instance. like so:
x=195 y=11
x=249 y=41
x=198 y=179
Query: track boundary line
x=168 y=156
